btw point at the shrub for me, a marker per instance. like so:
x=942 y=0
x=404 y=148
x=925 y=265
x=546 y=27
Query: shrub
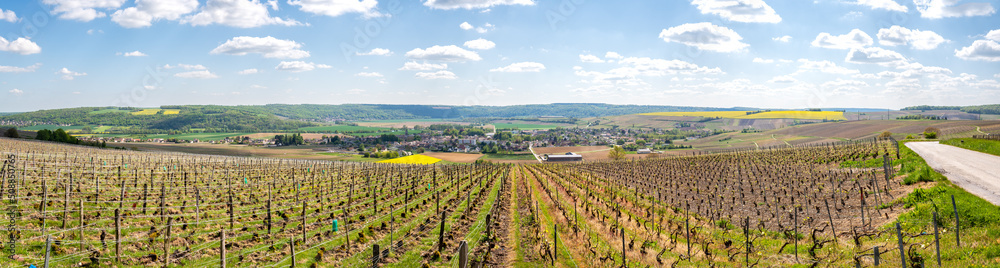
x=930 y=135
x=885 y=134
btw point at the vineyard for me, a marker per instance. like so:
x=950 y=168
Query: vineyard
x=71 y=206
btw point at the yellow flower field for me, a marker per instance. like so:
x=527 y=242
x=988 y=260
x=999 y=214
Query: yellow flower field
x=413 y=159
x=830 y=115
x=154 y=111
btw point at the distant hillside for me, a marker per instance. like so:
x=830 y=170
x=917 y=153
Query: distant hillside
x=980 y=109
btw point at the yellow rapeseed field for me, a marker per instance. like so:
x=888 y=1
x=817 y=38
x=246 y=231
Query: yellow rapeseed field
x=829 y=115
x=154 y=111
x=413 y=159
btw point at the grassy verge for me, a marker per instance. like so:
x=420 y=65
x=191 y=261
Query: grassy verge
x=985 y=146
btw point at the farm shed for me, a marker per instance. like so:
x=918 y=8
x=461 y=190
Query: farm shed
x=564 y=157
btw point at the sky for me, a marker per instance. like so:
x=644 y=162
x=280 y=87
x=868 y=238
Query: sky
x=716 y=53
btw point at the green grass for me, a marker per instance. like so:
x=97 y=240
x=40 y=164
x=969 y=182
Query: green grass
x=984 y=146
x=523 y=126
x=51 y=127
x=509 y=157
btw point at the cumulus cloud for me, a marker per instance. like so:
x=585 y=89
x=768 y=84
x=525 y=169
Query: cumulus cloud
x=760 y=60
x=249 y=71
x=590 y=58
x=889 y=5
x=660 y=67
x=465 y=26
x=993 y=35
x=146 y=11
x=368 y=74
x=854 y=39
x=66 y=74
x=824 y=66
x=236 y=13
x=984 y=50
x=449 y=53
x=485 y=28
x=15 y=69
x=898 y=35
x=783 y=39
x=936 y=9
x=436 y=75
x=300 y=66
x=521 y=67
x=16 y=92
x=131 y=54
x=20 y=45
x=875 y=55
x=474 y=4
x=335 y=8
x=269 y=47
x=202 y=74
x=186 y=66
x=704 y=36
x=82 y=10
x=415 y=66
x=376 y=52
x=613 y=55
x=8 y=16
x=480 y=44
x=784 y=79
x=739 y=10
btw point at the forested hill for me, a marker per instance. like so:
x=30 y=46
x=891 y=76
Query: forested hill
x=980 y=109
x=263 y=117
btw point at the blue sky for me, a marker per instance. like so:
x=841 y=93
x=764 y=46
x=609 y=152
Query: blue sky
x=774 y=54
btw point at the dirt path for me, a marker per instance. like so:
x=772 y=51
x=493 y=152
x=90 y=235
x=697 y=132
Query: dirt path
x=976 y=172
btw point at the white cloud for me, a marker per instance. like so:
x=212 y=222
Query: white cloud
x=335 y=8
x=249 y=71
x=270 y=47
x=236 y=13
x=855 y=39
x=486 y=28
x=704 y=36
x=613 y=55
x=985 y=50
x=920 y=40
x=376 y=52
x=273 y=4
x=465 y=26
x=889 y=5
x=66 y=74
x=203 y=74
x=739 y=10
x=474 y=4
x=146 y=11
x=368 y=74
x=782 y=79
x=759 y=60
x=16 y=92
x=20 y=45
x=186 y=66
x=82 y=10
x=659 y=67
x=590 y=58
x=824 y=66
x=436 y=75
x=131 y=54
x=480 y=44
x=936 y=9
x=783 y=39
x=14 y=69
x=521 y=67
x=875 y=55
x=449 y=53
x=414 y=66
x=300 y=66
x=993 y=35
x=355 y=91
x=8 y=16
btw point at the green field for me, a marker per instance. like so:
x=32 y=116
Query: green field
x=523 y=126
x=984 y=146
x=51 y=127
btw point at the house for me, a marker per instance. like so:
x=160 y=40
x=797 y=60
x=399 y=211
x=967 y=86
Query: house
x=564 y=157
x=644 y=151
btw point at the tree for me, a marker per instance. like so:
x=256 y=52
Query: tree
x=44 y=135
x=616 y=153
x=11 y=133
x=886 y=134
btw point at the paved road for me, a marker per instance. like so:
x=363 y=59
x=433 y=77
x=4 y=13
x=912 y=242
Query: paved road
x=976 y=172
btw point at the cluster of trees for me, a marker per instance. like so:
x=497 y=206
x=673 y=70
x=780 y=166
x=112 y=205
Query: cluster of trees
x=922 y=117
x=383 y=154
x=11 y=133
x=60 y=135
x=464 y=132
x=980 y=109
x=286 y=140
